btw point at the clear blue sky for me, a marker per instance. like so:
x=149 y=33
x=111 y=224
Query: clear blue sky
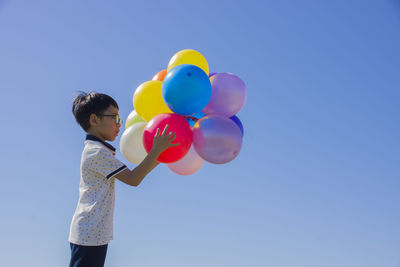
x=317 y=182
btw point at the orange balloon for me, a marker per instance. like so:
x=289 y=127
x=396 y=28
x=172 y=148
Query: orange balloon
x=160 y=75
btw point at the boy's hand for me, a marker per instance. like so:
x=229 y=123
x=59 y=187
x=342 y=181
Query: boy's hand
x=163 y=141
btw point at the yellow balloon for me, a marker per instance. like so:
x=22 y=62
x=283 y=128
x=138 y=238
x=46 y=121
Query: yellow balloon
x=148 y=100
x=189 y=56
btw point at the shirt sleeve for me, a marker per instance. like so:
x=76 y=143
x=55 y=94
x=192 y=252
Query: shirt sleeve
x=106 y=164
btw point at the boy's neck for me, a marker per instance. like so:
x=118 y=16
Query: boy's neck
x=95 y=133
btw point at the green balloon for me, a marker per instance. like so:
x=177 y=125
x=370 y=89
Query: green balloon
x=132 y=119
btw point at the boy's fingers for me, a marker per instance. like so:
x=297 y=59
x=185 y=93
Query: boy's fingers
x=172 y=139
x=158 y=132
x=172 y=136
x=165 y=129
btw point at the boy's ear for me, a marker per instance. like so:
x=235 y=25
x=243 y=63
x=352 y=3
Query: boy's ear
x=93 y=120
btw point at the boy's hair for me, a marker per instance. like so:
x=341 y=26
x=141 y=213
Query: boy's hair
x=86 y=104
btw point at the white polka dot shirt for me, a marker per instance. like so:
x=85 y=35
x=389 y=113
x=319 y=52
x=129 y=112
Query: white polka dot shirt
x=92 y=223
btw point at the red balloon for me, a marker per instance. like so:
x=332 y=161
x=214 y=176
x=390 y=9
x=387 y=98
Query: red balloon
x=178 y=125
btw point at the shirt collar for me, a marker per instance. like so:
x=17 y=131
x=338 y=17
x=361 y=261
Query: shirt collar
x=95 y=138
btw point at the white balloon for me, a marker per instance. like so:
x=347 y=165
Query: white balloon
x=131 y=143
x=188 y=165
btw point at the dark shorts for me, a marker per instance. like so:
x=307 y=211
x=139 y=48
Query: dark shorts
x=88 y=256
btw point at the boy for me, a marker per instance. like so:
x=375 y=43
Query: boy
x=92 y=224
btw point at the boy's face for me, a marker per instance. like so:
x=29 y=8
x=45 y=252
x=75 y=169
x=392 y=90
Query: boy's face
x=105 y=125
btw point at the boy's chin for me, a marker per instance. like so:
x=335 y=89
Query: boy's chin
x=112 y=137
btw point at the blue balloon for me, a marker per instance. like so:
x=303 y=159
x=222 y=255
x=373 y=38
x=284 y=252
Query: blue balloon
x=186 y=89
x=238 y=122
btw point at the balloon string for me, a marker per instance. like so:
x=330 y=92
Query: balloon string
x=192 y=118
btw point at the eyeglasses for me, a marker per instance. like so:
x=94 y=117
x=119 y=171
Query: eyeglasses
x=117 y=119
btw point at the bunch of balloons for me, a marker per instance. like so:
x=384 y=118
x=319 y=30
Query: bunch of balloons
x=199 y=108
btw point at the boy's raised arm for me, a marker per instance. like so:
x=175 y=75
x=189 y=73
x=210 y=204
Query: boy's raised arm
x=161 y=142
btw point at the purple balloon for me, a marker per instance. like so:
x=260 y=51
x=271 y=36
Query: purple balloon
x=217 y=139
x=228 y=95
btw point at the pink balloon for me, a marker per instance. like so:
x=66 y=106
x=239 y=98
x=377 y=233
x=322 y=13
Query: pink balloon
x=190 y=163
x=228 y=95
x=217 y=139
